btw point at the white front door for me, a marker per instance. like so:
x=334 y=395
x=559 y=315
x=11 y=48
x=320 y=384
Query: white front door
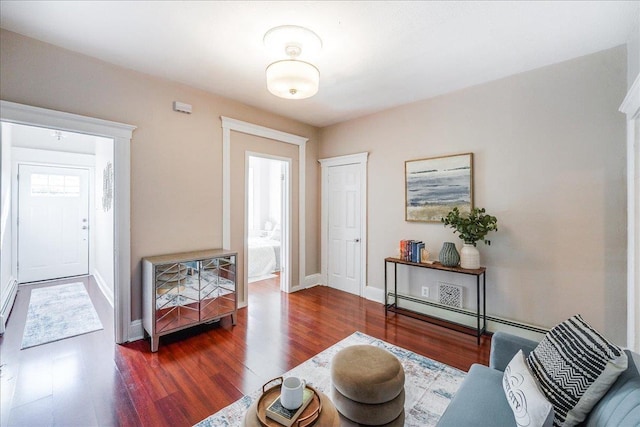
x=53 y=222
x=344 y=228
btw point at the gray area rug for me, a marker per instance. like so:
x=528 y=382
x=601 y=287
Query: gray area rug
x=429 y=385
x=59 y=312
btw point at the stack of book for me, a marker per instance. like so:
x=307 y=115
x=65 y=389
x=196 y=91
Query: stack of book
x=411 y=250
x=285 y=416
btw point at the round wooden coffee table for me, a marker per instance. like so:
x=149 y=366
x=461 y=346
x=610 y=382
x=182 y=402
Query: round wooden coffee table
x=329 y=416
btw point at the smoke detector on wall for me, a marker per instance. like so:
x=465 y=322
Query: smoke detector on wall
x=181 y=107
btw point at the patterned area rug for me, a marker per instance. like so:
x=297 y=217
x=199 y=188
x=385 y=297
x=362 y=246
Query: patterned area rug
x=429 y=385
x=59 y=312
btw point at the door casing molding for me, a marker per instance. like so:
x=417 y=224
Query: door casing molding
x=121 y=134
x=350 y=159
x=631 y=107
x=228 y=125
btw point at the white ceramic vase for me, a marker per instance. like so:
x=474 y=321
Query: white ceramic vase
x=469 y=257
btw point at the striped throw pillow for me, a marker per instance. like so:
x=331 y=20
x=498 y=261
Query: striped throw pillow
x=575 y=366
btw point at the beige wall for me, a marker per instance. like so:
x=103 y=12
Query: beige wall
x=176 y=159
x=633 y=54
x=549 y=162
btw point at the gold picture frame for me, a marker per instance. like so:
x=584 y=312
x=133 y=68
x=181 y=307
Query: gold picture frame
x=435 y=185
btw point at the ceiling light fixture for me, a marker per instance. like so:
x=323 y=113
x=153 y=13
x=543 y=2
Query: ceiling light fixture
x=292 y=78
x=58 y=135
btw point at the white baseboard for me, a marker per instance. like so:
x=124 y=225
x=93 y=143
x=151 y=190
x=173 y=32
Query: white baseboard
x=106 y=290
x=374 y=294
x=308 y=282
x=312 y=280
x=495 y=324
x=7 y=304
x=467 y=317
x=370 y=293
x=136 y=331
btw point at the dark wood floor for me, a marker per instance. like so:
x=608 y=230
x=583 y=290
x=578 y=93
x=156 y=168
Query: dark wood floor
x=89 y=381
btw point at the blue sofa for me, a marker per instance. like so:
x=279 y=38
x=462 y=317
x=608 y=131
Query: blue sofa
x=480 y=400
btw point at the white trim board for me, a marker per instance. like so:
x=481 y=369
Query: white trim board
x=121 y=134
x=631 y=107
x=350 y=159
x=7 y=304
x=229 y=125
x=104 y=288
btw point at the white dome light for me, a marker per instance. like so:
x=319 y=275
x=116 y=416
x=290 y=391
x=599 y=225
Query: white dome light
x=292 y=78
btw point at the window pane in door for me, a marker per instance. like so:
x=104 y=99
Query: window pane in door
x=55 y=185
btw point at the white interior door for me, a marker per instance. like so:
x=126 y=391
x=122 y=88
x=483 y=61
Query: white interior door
x=53 y=222
x=344 y=228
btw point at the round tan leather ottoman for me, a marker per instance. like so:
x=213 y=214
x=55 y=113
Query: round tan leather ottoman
x=368 y=385
x=367 y=414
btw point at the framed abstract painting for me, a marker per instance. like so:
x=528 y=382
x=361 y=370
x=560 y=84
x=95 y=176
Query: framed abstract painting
x=435 y=186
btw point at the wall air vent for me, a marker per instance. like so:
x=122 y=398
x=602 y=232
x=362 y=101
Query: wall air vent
x=450 y=295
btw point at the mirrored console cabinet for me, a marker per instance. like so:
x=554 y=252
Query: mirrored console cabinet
x=186 y=289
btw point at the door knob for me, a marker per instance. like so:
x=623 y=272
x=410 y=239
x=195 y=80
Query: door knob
x=356 y=240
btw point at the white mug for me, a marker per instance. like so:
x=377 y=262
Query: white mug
x=291 y=392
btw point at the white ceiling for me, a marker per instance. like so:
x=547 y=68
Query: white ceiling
x=375 y=55
x=47 y=139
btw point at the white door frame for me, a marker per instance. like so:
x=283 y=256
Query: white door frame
x=359 y=159
x=631 y=107
x=285 y=249
x=121 y=134
x=229 y=125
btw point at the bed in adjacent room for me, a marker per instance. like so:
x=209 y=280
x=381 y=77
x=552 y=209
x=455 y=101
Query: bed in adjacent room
x=264 y=258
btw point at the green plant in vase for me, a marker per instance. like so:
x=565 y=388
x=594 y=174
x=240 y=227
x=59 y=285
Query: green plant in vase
x=471 y=228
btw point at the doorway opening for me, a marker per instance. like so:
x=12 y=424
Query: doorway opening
x=118 y=254
x=61 y=207
x=267 y=220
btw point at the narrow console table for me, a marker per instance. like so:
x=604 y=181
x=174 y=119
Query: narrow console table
x=479 y=314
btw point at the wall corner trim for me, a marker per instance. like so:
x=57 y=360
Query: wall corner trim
x=631 y=104
x=631 y=107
